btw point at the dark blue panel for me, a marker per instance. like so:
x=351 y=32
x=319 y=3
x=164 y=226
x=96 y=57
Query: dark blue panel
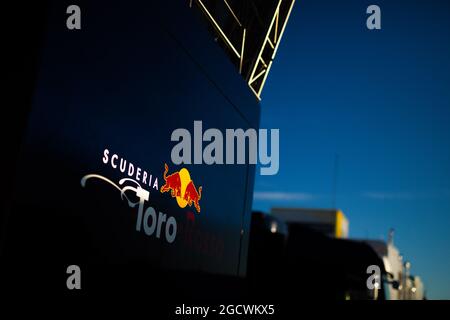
x=124 y=82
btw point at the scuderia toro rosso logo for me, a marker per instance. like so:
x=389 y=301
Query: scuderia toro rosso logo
x=181 y=187
x=133 y=189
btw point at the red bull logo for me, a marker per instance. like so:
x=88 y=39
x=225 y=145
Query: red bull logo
x=181 y=187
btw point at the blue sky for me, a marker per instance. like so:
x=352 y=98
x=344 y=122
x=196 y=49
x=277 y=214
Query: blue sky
x=381 y=101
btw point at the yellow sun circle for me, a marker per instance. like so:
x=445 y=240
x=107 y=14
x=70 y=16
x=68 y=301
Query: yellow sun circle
x=185 y=178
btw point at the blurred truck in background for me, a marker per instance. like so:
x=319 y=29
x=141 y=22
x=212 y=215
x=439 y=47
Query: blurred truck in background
x=309 y=254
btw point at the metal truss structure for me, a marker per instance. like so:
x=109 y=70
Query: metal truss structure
x=250 y=31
